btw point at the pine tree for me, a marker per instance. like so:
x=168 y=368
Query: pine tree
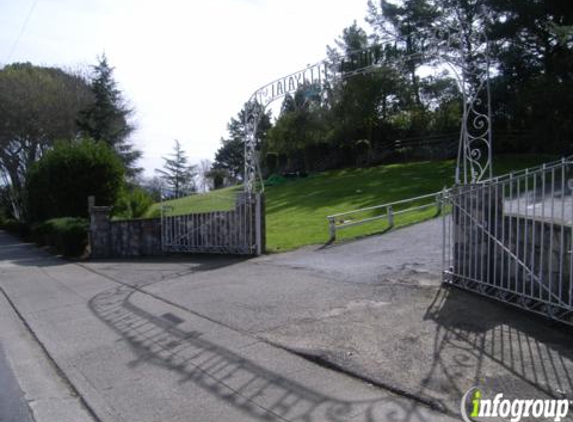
x=107 y=119
x=177 y=173
x=402 y=21
x=231 y=155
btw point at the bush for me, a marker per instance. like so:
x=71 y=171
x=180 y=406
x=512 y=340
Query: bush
x=275 y=180
x=67 y=235
x=14 y=226
x=5 y=203
x=59 y=184
x=133 y=203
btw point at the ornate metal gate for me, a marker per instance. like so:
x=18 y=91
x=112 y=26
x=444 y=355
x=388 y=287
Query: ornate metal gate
x=238 y=230
x=510 y=239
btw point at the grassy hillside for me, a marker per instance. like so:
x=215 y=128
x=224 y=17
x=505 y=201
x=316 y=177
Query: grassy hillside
x=297 y=209
x=219 y=200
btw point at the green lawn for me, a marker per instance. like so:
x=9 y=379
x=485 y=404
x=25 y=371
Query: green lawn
x=297 y=209
x=219 y=200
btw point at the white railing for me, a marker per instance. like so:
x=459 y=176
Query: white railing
x=345 y=219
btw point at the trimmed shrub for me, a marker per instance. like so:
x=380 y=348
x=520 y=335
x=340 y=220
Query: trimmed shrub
x=59 y=184
x=67 y=235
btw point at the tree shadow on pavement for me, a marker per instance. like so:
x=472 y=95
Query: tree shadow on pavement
x=479 y=342
x=143 y=271
x=258 y=392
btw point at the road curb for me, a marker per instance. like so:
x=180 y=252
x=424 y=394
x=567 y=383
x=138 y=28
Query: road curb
x=59 y=371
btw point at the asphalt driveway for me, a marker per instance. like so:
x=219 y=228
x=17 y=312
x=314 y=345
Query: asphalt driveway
x=375 y=308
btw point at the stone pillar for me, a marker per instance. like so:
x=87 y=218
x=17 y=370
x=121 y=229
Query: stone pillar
x=100 y=231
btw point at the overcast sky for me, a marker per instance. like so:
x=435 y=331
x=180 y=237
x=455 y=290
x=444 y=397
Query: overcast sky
x=186 y=67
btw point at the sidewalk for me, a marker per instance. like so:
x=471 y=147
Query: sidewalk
x=135 y=356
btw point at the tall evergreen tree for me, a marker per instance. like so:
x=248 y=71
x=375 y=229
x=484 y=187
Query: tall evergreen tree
x=299 y=123
x=533 y=91
x=107 y=119
x=400 y=23
x=231 y=155
x=177 y=173
x=358 y=103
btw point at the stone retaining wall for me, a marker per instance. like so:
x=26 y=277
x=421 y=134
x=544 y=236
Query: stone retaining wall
x=237 y=231
x=127 y=238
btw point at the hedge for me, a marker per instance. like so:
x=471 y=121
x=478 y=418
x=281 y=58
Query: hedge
x=15 y=227
x=67 y=235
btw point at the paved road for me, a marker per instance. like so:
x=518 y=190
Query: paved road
x=13 y=407
x=219 y=338
x=135 y=355
x=375 y=307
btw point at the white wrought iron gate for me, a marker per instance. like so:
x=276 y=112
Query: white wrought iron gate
x=236 y=231
x=510 y=239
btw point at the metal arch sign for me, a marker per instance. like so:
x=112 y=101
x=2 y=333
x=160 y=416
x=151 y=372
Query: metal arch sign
x=312 y=75
x=319 y=73
x=447 y=44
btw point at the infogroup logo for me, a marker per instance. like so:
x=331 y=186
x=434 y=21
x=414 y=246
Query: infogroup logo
x=475 y=407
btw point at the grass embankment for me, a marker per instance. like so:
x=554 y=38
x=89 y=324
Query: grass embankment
x=297 y=209
x=219 y=200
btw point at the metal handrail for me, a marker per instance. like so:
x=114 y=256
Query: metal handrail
x=375 y=207
x=390 y=213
